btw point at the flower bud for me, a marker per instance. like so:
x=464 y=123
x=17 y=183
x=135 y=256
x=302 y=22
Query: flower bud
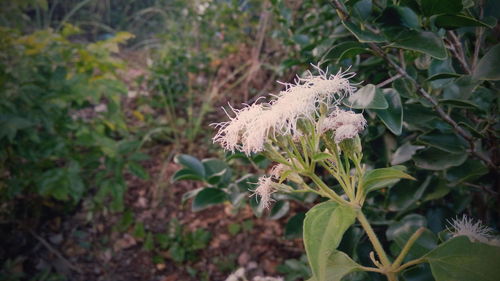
x=351 y=146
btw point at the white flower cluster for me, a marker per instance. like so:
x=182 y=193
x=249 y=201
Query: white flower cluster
x=474 y=230
x=346 y=124
x=249 y=129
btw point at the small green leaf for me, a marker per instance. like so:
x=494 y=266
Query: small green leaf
x=324 y=227
x=488 y=67
x=454 y=21
x=190 y=194
x=368 y=97
x=459 y=259
x=139 y=231
x=363 y=35
x=191 y=163
x=379 y=178
x=208 y=197
x=392 y=117
x=421 y=41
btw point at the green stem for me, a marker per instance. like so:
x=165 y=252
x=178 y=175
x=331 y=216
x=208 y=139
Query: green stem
x=407 y=247
x=330 y=193
x=410 y=263
x=373 y=239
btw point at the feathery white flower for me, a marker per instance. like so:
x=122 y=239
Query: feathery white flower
x=264 y=190
x=340 y=118
x=250 y=128
x=345 y=132
x=474 y=230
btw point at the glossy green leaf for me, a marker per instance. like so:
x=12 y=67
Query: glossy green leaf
x=324 y=227
x=368 y=97
x=421 y=41
x=363 y=35
x=392 y=117
x=379 y=178
x=454 y=21
x=185 y=174
x=344 y=50
x=190 y=194
x=216 y=171
x=191 y=163
x=488 y=67
x=208 y=197
x=460 y=88
x=362 y=9
x=459 y=259
x=436 y=159
x=338 y=265
x=294 y=226
x=433 y=7
x=459 y=103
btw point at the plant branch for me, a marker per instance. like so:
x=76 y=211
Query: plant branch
x=479 y=36
x=410 y=263
x=458 y=51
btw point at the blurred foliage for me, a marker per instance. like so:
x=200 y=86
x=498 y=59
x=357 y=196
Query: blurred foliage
x=63 y=133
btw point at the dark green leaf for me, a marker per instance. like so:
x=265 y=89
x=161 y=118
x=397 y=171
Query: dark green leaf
x=363 y=35
x=468 y=171
x=447 y=142
x=459 y=259
x=392 y=117
x=404 y=153
x=399 y=16
x=421 y=41
x=436 y=159
x=293 y=228
x=191 y=163
x=443 y=76
x=369 y=97
x=488 y=67
x=208 y=197
x=186 y=174
x=454 y=21
x=433 y=7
